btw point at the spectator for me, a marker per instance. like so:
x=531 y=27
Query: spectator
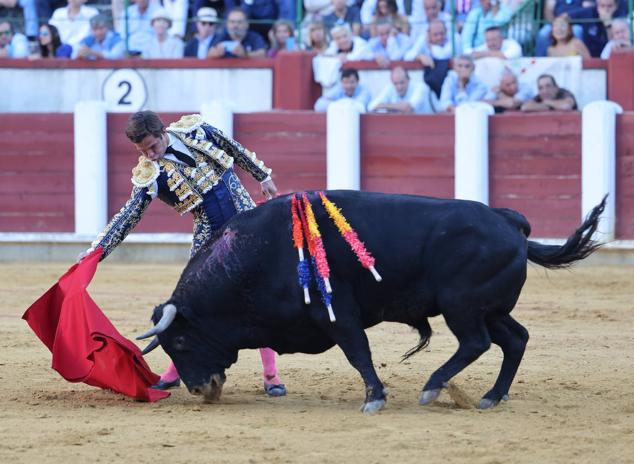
x=206 y=20
x=102 y=43
x=265 y=12
x=388 y=9
x=496 y=46
x=178 y=11
x=12 y=44
x=19 y=11
x=162 y=44
x=348 y=87
x=431 y=10
x=389 y=44
x=401 y=96
x=563 y=42
x=317 y=40
x=489 y=13
x=433 y=46
x=595 y=33
x=344 y=14
x=509 y=95
x=550 y=97
x=73 y=22
x=462 y=10
x=461 y=85
x=139 y=25
x=50 y=45
x=238 y=41
x=621 y=37
x=282 y=37
x=553 y=9
x=347 y=47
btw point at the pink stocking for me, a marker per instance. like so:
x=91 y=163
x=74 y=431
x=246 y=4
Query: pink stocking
x=170 y=373
x=269 y=369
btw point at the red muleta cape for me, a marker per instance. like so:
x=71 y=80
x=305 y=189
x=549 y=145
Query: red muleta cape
x=85 y=345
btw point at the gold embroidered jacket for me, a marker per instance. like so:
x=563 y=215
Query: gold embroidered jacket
x=181 y=186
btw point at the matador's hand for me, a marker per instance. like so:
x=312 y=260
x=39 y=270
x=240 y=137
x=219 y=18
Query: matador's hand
x=269 y=190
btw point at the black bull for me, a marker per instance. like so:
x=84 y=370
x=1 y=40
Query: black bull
x=457 y=258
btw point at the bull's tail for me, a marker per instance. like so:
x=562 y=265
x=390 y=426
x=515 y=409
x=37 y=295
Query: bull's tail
x=578 y=246
x=424 y=329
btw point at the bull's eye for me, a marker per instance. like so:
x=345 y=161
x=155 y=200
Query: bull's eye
x=179 y=343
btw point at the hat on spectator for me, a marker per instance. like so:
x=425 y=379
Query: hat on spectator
x=207 y=14
x=161 y=13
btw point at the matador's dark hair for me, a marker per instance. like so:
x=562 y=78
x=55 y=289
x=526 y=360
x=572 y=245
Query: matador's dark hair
x=144 y=123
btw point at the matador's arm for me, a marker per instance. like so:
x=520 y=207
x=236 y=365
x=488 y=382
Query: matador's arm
x=243 y=157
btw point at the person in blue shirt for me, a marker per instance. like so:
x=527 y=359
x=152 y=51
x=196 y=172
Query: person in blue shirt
x=50 y=44
x=237 y=41
x=489 y=13
x=461 y=85
x=102 y=43
x=348 y=87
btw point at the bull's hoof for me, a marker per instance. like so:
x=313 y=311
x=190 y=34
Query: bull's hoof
x=486 y=403
x=428 y=396
x=372 y=406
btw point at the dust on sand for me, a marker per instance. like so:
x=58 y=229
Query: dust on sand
x=572 y=400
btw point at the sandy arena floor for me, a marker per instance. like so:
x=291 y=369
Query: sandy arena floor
x=572 y=401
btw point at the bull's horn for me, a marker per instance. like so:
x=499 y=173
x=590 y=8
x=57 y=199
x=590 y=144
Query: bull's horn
x=153 y=344
x=169 y=313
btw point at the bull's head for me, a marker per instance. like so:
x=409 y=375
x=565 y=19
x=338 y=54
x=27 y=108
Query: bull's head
x=198 y=361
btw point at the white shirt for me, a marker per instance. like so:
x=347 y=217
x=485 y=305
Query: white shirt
x=179 y=146
x=360 y=50
x=510 y=49
x=178 y=11
x=73 y=30
x=439 y=52
x=417 y=96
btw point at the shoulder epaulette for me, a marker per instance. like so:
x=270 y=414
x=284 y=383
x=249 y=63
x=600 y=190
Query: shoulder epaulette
x=186 y=124
x=145 y=172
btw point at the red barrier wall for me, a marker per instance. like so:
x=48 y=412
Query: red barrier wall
x=292 y=143
x=625 y=176
x=408 y=154
x=535 y=168
x=36 y=175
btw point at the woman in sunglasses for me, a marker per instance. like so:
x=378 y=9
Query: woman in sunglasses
x=51 y=45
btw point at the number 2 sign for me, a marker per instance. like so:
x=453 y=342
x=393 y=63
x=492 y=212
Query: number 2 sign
x=124 y=91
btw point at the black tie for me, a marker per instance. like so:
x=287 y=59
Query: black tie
x=181 y=156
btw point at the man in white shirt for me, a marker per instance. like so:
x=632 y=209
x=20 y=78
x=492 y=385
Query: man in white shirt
x=348 y=87
x=389 y=44
x=346 y=47
x=73 y=22
x=402 y=96
x=434 y=45
x=495 y=45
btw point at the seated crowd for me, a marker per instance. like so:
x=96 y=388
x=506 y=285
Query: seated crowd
x=460 y=86
x=380 y=30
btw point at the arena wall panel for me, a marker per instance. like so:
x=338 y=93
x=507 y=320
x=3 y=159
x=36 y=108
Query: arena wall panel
x=625 y=176
x=408 y=154
x=36 y=179
x=535 y=168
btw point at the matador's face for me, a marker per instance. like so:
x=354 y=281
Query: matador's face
x=153 y=147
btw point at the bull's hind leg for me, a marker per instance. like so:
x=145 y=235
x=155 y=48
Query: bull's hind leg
x=473 y=338
x=512 y=337
x=352 y=340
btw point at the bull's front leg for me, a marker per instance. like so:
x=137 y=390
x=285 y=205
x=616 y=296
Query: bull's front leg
x=352 y=340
